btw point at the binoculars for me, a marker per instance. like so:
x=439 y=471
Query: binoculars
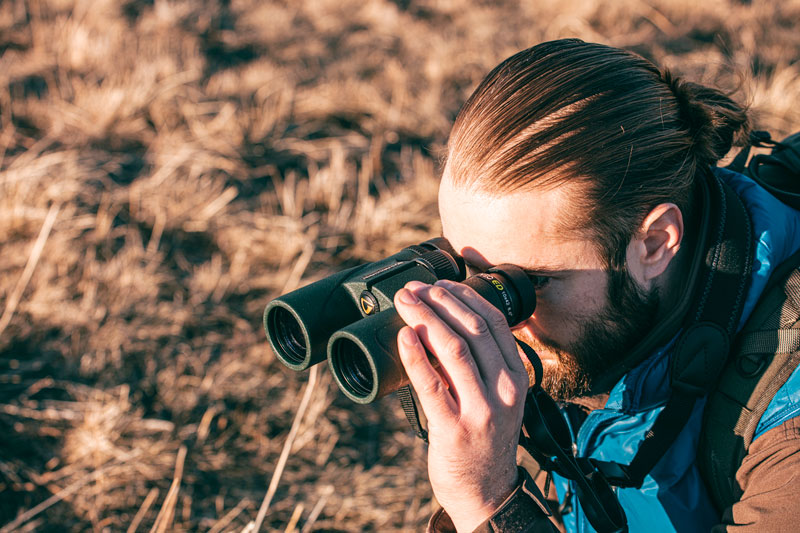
x=349 y=318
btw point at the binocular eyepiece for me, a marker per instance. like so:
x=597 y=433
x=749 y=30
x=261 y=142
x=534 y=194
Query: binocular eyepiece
x=349 y=318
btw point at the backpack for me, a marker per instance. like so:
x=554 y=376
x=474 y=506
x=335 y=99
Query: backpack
x=779 y=171
x=767 y=350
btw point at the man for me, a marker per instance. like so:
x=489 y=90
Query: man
x=580 y=163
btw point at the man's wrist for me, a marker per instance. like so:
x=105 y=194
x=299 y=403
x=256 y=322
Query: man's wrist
x=524 y=509
x=474 y=516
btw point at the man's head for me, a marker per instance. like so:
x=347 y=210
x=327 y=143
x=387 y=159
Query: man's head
x=577 y=162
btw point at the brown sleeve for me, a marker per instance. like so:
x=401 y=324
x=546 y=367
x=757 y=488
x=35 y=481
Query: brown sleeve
x=524 y=511
x=770 y=480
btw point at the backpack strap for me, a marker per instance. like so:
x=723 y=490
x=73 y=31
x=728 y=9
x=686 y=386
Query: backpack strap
x=703 y=347
x=779 y=171
x=756 y=138
x=766 y=353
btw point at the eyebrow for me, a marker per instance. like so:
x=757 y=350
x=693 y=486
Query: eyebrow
x=544 y=271
x=538 y=271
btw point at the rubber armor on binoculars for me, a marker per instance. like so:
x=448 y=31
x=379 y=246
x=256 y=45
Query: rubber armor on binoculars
x=349 y=317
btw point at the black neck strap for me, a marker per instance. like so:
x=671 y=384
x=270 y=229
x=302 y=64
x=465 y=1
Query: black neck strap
x=706 y=218
x=724 y=266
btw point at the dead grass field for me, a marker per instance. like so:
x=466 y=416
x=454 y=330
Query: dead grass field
x=166 y=167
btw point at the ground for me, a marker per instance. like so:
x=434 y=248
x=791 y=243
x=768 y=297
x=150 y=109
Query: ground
x=166 y=167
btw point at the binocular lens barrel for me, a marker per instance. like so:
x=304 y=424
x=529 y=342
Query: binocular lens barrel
x=299 y=323
x=287 y=332
x=352 y=368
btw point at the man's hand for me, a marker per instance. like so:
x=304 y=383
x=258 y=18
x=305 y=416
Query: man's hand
x=474 y=401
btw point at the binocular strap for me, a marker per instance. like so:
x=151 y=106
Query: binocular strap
x=410 y=409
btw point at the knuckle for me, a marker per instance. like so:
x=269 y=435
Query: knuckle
x=460 y=433
x=425 y=314
x=438 y=293
x=433 y=387
x=482 y=418
x=497 y=319
x=468 y=291
x=476 y=325
x=510 y=389
x=457 y=348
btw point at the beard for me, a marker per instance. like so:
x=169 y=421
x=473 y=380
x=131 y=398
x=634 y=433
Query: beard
x=603 y=340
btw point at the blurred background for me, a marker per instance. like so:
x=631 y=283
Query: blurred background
x=168 y=166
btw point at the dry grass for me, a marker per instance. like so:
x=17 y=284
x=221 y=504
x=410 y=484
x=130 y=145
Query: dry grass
x=168 y=166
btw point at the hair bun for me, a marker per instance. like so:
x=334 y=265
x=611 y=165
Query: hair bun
x=714 y=121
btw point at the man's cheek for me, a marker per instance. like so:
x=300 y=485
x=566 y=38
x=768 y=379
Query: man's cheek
x=549 y=324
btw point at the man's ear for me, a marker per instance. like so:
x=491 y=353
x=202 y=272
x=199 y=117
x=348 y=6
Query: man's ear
x=656 y=242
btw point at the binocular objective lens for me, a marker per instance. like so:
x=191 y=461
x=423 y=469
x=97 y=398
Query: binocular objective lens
x=352 y=367
x=288 y=334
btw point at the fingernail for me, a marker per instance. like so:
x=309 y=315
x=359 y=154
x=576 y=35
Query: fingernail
x=444 y=283
x=407 y=297
x=408 y=337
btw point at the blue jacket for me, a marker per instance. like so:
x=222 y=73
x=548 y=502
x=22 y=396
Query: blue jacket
x=673 y=496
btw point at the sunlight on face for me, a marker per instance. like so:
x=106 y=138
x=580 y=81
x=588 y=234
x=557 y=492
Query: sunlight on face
x=576 y=329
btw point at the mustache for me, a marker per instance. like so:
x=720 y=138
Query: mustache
x=562 y=376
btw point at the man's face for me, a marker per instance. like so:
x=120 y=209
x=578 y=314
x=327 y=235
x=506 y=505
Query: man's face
x=586 y=318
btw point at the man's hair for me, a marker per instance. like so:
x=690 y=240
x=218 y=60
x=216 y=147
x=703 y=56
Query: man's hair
x=567 y=111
